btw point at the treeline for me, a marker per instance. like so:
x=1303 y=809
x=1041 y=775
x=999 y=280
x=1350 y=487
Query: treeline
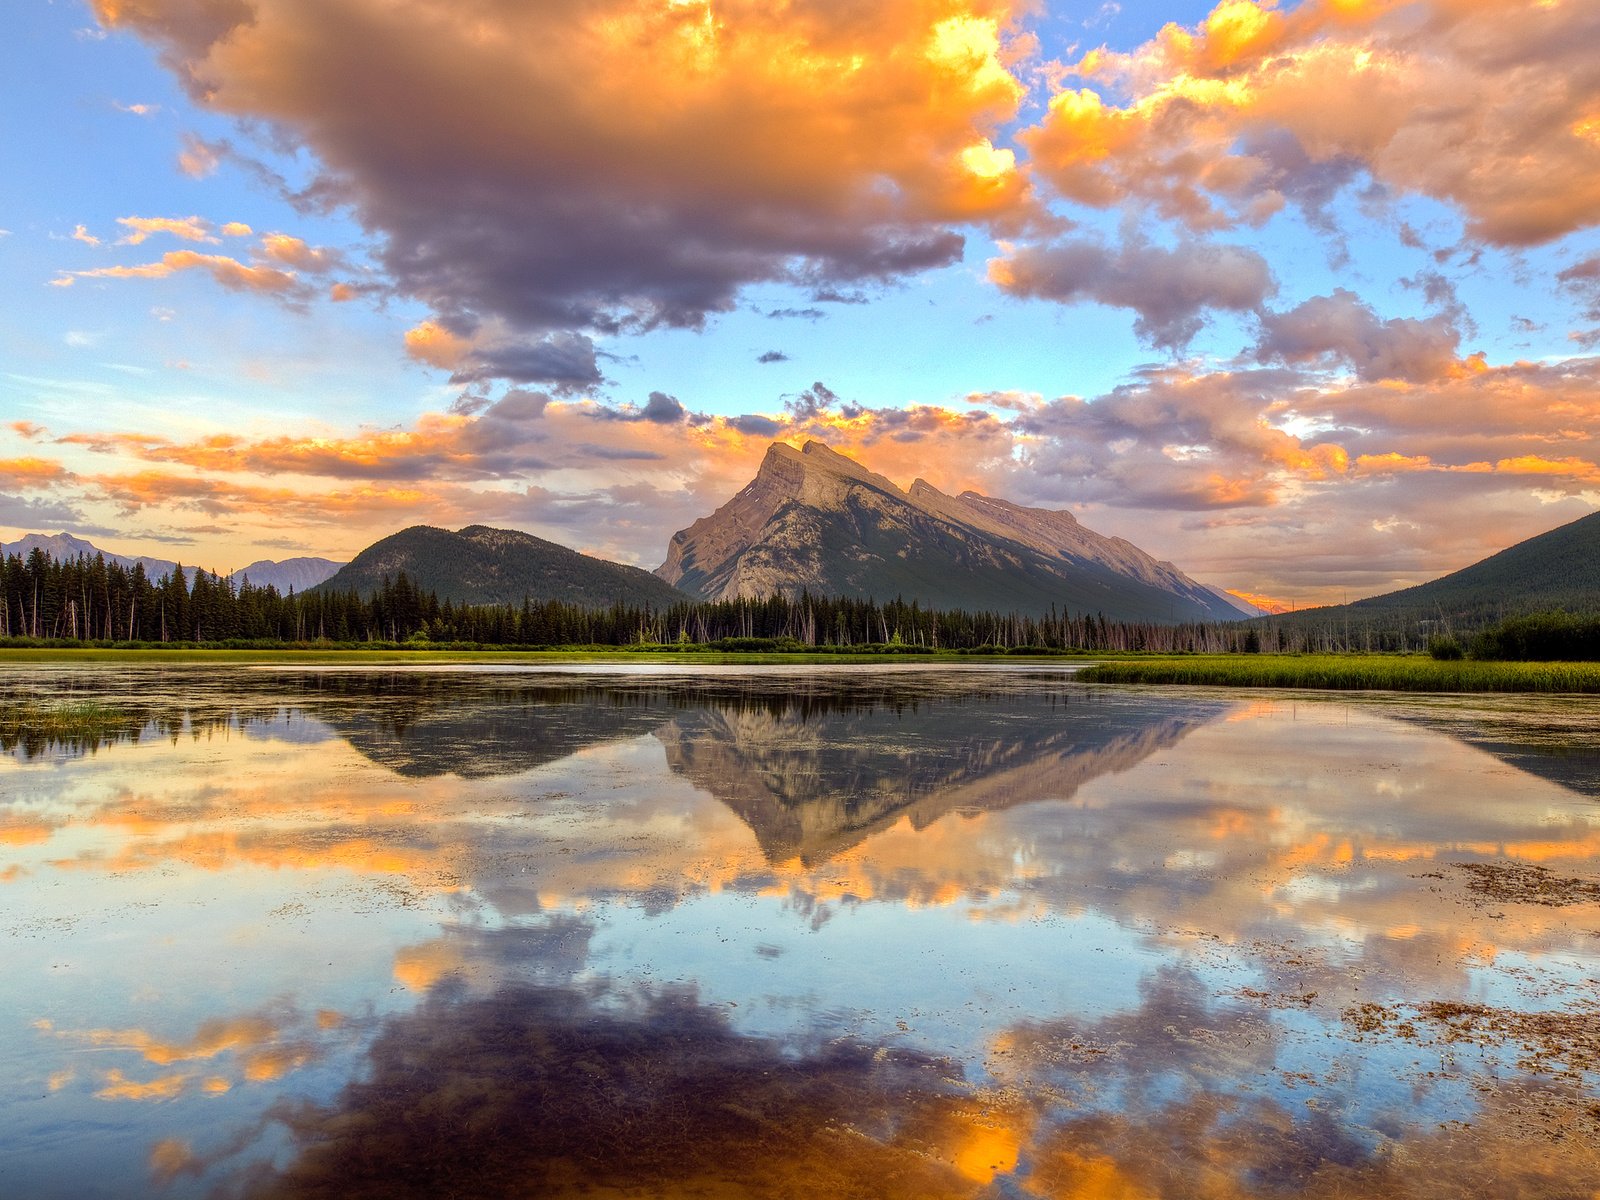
x=93 y=601
x=1535 y=637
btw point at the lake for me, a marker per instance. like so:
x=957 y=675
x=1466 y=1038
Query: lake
x=899 y=931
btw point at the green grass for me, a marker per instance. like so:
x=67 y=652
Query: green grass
x=127 y=656
x=69 y=719
x=1351 y=673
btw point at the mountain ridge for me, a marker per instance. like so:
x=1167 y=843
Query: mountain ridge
x=1557 y=569
x=479 y=564
x=818 y=520
x=296 y=573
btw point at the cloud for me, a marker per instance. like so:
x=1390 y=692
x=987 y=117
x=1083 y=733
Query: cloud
x=564 y=361
x=1582 y=279
x=30 y=473
x=1170 y=290
x=229 y=272
x=662 y=409
x=1342 y=327
x=294 y=252
x=1487 y=106
x=189 y=229
x=551 y=185
x=773 y=356
x=137 y=110
x=80 y=233
x=1301 y=479
x=198 y=158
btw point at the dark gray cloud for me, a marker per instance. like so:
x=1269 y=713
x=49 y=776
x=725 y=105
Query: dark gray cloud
x=1343 y=328
x=773 y=356
x=36 y=514
x=1582 y=279
x=566 y=362
x=817 y=398
x=756 y=425
x=1172 y=290
x=662 y=409
x=518 y=404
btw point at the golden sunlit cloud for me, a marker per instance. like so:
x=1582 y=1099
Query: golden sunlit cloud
x=1485 y=112
x=189 y=229
x=229 y=272
x=586 y=194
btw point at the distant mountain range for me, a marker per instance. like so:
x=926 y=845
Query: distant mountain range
x=1555 y=570
x=291 y=573
x=814 y=519
x=480 y=565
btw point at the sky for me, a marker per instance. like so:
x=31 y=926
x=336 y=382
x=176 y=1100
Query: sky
x=1302 y=297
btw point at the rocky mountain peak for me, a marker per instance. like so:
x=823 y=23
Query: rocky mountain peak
x=816 y=519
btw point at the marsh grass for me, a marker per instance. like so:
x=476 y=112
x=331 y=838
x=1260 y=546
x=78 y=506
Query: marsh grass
x=60 y=719
x=1354 y=672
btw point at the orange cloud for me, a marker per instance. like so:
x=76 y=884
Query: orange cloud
x=435 y=345
x=294 y=252
x=189 y=229
x=229 y=272
x=764 y=142
x=117 y=1086
x=1482 y=105
x=31 y=472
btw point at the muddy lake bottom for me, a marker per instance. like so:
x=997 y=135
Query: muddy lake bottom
x=912 y=930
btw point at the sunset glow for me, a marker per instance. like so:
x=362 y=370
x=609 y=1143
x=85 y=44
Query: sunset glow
x=1303 y=297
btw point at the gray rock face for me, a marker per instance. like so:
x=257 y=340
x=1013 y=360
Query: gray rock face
x=816 y=520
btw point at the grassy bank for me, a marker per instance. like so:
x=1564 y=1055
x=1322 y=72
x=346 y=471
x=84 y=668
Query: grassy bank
x=1351 y=673
x=128 y=656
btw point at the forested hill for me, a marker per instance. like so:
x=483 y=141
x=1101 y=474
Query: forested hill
x=480 y=565
x=1558 y=570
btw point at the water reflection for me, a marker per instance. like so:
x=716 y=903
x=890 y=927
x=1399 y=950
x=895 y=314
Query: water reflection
x=938 y=933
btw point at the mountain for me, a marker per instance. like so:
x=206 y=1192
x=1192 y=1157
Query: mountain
x=815 y=519
x=813 y=784
x=291 y=574
x=1555 y=570
x=480 y=565
x=296 y=573
x=64 y=547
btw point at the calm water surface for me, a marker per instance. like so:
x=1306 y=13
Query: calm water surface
x=894 y=932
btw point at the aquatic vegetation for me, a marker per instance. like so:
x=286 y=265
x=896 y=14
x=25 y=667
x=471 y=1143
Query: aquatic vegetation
x=59 y=719
x=1353 y=672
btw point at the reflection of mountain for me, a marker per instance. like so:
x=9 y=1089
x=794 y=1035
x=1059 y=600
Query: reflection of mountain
x=476 y=726
x=503 y=732
x=814 y=785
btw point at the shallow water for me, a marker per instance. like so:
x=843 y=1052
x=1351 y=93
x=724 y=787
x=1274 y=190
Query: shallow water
x=819 y=932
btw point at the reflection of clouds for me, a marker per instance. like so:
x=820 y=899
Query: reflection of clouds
x=554 y=951
x=556 y=1091
x=256 y=1047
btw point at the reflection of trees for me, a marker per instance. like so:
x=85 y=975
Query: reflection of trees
x=813 y=784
